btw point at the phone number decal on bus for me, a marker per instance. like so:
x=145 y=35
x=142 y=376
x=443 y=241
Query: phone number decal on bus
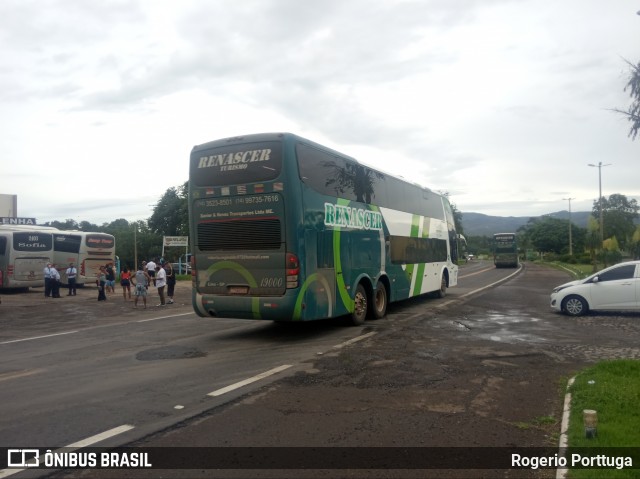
x=249 y=200
x=214 y=203
x=243 y=200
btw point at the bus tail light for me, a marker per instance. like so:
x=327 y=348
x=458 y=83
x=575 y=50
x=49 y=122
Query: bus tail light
x=293 y=270
x=11 y=270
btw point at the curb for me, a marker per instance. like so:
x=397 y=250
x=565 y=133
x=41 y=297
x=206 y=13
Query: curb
x=564 y=427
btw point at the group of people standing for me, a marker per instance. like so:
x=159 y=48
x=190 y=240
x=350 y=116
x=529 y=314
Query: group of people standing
x=52 y=280
x=106 y=281
x=161 y=275
x=149 y=273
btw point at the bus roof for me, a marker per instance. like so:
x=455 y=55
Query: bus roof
x=258 y=137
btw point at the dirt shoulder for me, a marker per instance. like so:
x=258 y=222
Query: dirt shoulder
x=23 y=314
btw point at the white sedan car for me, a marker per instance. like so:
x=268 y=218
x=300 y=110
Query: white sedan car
x=613 y=289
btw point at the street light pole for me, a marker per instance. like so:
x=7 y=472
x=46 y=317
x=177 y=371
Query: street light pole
x=570 y=239
x=599 y=166
x=135 y=247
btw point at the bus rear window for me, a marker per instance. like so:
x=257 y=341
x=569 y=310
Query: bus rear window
x=32 y=241
x=236 y=164
x=99 y=241
x=66 y=243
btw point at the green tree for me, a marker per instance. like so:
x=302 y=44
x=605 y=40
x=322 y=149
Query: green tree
x=87 y=226
x=551 y=235
x=633 y=112
x=64 y=225
x=635 y=243
x=133 y=239
x=611 y=251
x=618 y=216
x=457 y=218
x=170 y=215
x=593 y=239
x=479 y=245
x=122 y=230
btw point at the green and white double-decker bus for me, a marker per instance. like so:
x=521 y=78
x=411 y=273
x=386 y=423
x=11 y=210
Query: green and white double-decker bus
x=505 y=250
x=284 y=229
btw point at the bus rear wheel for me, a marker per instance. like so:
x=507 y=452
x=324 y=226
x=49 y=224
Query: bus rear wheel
x=442 y=292
x=379 y=303
x=359 y=307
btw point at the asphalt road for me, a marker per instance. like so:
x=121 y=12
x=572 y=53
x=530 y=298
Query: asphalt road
x=476 y=369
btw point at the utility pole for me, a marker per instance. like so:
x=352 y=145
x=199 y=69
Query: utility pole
x=570 y=239
x=135 y=248
x=599 y=166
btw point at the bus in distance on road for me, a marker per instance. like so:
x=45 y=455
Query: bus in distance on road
x=505 y=250
x=284 y=229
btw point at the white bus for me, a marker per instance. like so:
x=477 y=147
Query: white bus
x=87 y=250
x=24 y=254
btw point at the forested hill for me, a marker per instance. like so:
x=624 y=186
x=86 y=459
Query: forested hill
x=477 y=224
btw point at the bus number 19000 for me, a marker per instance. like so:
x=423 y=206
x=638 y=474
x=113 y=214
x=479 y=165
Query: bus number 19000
x=271 y=282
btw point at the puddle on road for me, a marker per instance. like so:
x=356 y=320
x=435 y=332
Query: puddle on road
x=510 y=317
x=505 y=327
x=170 y=352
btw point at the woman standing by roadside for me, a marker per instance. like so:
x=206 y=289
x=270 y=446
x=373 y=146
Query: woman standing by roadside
x=171 y=281
x=101 y=281
x=125 y=282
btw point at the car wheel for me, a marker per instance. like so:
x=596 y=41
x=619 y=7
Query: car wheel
x=379 y=303
x=575 y=306
x=359 y=307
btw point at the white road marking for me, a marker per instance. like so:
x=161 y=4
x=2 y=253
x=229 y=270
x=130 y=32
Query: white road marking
x=38 y=337
x=20 y=374
x=164 y=317
x=220 y=392
x=77 y=445
x=354 y=340
x=477 y=272
x=101 y=437
x=77 y=331
x=492 y=284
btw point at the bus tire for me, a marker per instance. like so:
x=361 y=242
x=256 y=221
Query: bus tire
x=379 y=304
x=359 y=306
x=442 y=292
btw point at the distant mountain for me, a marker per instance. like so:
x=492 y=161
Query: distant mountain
x=477 y=224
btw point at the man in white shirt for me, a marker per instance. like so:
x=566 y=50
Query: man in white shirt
x=72 y=272
x=151 y=269
x=49 y=276
x=161 y=282
x=55 y=282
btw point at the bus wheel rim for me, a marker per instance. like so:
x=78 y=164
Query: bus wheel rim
x=360 y=304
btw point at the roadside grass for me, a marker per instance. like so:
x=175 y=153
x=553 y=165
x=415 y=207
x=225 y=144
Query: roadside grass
x=578 y=271
x=612 y=388
x=538 y=423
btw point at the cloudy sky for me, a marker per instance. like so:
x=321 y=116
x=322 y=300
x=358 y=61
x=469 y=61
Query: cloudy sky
x=500 y=103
